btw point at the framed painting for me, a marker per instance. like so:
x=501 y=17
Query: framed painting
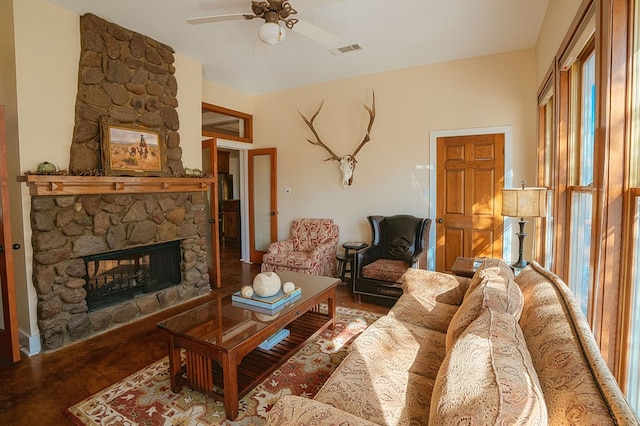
x=132 y=149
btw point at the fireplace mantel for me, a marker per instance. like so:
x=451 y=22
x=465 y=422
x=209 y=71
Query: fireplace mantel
x=85 y=185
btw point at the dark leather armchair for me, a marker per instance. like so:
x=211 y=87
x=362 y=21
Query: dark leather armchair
x=399 y=242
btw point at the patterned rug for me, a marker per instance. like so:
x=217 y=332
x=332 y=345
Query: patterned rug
x=145 y=397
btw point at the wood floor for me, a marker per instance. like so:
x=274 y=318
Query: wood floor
x=36 y=390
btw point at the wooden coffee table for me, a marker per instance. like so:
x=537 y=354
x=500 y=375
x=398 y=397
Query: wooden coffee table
x=220 y=340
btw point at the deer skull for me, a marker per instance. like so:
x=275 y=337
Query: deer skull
x=347 y=162
x=347 y=165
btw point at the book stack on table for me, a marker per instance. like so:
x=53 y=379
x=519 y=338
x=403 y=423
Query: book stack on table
x=266 y=305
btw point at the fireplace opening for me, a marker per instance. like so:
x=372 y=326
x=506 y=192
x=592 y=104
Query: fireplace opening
x=115 y=277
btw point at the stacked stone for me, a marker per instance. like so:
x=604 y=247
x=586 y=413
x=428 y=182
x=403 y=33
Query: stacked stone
x=67 y=228
x=126 y=77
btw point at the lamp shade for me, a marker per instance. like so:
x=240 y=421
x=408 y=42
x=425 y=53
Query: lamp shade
x=524 y=202
x=271 y=33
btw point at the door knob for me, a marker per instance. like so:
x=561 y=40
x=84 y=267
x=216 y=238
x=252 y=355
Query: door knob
x=16 y=246
x=272 y=213
x=212 y=221
x=440 y=220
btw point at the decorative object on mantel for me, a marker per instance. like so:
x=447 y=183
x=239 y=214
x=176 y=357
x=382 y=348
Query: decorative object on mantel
x=47 y=168
x=189 y=172
x=132 y=149
x=347 y=162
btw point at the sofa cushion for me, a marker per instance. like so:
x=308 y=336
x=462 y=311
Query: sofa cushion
x=496 y=289
x=402 y=345
x=385 y=270
x=423 y=311
x=297 y=410
x=429 y=299
x=578 y=386
x=487 y=378
x=438 y=286
x=378 y=393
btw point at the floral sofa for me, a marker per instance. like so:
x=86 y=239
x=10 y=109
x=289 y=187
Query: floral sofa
x=311 y=249
x=495 y=349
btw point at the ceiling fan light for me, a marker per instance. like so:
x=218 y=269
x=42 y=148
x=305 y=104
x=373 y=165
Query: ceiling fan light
x=271 y=33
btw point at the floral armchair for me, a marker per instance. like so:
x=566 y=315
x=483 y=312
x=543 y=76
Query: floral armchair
x=311 y=249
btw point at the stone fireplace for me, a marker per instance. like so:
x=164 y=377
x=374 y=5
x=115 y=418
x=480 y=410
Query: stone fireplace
x=80 y=222
x=68 y=230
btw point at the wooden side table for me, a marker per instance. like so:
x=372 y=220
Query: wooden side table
x=465 y=266
x=345 y=261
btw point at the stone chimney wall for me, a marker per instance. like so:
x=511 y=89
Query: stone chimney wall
x=129 y=78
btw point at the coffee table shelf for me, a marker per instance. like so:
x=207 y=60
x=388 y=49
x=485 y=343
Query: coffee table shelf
x=258 y=364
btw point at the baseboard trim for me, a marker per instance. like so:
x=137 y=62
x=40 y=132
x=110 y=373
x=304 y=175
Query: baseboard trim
x=30 y=345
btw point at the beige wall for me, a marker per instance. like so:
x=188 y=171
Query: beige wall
x=560 y=14
x=392 y=173
x=217 y=94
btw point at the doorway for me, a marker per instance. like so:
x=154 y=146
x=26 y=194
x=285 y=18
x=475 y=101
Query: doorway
x=231 y=135
x=476 y=172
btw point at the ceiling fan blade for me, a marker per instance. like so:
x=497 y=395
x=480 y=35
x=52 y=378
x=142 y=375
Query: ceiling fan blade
x=315 y=33
x=218 y=18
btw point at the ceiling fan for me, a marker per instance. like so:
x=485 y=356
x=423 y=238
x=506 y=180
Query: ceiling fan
x=276 y=14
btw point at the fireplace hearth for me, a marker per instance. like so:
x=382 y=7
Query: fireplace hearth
x=115 y=277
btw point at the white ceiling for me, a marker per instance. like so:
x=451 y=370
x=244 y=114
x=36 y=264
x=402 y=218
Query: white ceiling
x=394 y=34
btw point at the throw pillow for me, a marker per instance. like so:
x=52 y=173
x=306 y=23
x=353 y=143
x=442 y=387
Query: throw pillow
x=496 y=290
x=488 y=378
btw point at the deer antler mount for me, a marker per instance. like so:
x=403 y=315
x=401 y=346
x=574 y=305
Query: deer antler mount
x=347 y=162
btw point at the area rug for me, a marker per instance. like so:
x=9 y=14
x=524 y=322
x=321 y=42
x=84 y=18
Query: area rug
x=145 y=397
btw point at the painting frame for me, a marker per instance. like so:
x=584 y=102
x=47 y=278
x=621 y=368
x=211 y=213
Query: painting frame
x=132 y=149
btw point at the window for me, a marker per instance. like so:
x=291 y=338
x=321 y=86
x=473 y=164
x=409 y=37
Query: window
x=633 y=349
x=633 y=376
x=546 y=144
x=580 y=190
x=595 y=177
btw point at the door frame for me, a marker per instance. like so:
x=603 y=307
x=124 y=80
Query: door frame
x=243 y=191
x=433 y=168
x=215 y=279
x=255 y=254
x=9 y=332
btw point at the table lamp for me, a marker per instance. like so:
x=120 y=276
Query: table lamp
x=523 y=203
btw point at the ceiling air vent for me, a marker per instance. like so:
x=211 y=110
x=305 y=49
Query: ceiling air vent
x=345 y=49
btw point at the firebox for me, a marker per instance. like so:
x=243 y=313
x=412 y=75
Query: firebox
x=114 y=277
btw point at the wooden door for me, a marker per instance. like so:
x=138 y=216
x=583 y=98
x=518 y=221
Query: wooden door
x=9 y=345
x=210 y=166
x=263 y=201
x=470 y=177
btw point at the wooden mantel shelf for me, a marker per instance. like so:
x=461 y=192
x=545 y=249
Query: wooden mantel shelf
x=84 y=185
